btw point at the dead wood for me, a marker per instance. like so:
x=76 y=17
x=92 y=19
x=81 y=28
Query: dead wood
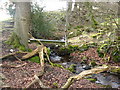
x=83 y=74
x=11 y=66
x=41 y=56
x=12 y=54
x=40 y=82
x=34 y=52
x=40 y=50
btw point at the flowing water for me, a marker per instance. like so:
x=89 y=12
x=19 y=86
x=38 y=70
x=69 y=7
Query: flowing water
x=101 y=78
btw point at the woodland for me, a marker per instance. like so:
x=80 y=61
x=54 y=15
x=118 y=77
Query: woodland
x=75 y=47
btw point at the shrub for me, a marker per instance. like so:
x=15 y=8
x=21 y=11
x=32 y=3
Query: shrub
x=41 y=27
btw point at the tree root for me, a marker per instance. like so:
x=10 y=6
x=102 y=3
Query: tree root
x=12 y=54
x=40 y=83
x=11 y=66
x=83 y=74
x=40 y=50
x=34 y=52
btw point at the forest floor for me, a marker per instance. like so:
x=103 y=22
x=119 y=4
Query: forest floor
x=54 y=77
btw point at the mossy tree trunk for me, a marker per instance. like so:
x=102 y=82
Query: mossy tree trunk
x=22 y=22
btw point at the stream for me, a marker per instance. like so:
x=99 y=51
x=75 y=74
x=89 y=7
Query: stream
x=101 y=78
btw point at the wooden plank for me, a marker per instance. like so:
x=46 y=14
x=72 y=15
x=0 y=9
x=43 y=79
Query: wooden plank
x=49 y=41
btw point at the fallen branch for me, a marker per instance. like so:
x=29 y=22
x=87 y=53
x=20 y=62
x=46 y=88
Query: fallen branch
x=34 y=81
x=11 y=66
x=85 y=73
x=40 y=83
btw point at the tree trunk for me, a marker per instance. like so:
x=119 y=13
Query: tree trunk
x=118 y=30
x=22 y=22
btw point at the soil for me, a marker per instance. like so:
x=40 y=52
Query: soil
x=54 y=77
x=91 y=55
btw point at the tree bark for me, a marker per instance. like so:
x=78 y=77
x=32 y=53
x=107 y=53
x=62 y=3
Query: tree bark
x=118 y=30
x=22 y=21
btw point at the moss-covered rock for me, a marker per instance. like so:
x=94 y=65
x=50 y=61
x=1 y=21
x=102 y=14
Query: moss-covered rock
x=69 y=49
x=72 y=48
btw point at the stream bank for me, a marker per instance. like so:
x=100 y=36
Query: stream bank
x=75 y=64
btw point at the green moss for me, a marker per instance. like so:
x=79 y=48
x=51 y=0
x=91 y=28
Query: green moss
x=93 y=63
x=84 y=62
x=35 y=59
x=96 y=35
x=92 y=79
x=71 y=68
x=84 y=58
x=69 y=49
x=48 y=51
x=22 y=48
x=72 y=48
x=92 y=44
x=77 y=27
x=116 y=55
x=15 y=42
x=55 y=84
x=78 y=32
x=103 y=49
x=106 y=86
x=115 y=70
x=57 y=65
x=100 y=54
x=84 y=47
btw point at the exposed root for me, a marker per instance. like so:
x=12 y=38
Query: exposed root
x=40 y=83
x=34 y=52
x=11 y=66
x=12 y=54
x=40 y=50
x=17 y=58
x=83 y=74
